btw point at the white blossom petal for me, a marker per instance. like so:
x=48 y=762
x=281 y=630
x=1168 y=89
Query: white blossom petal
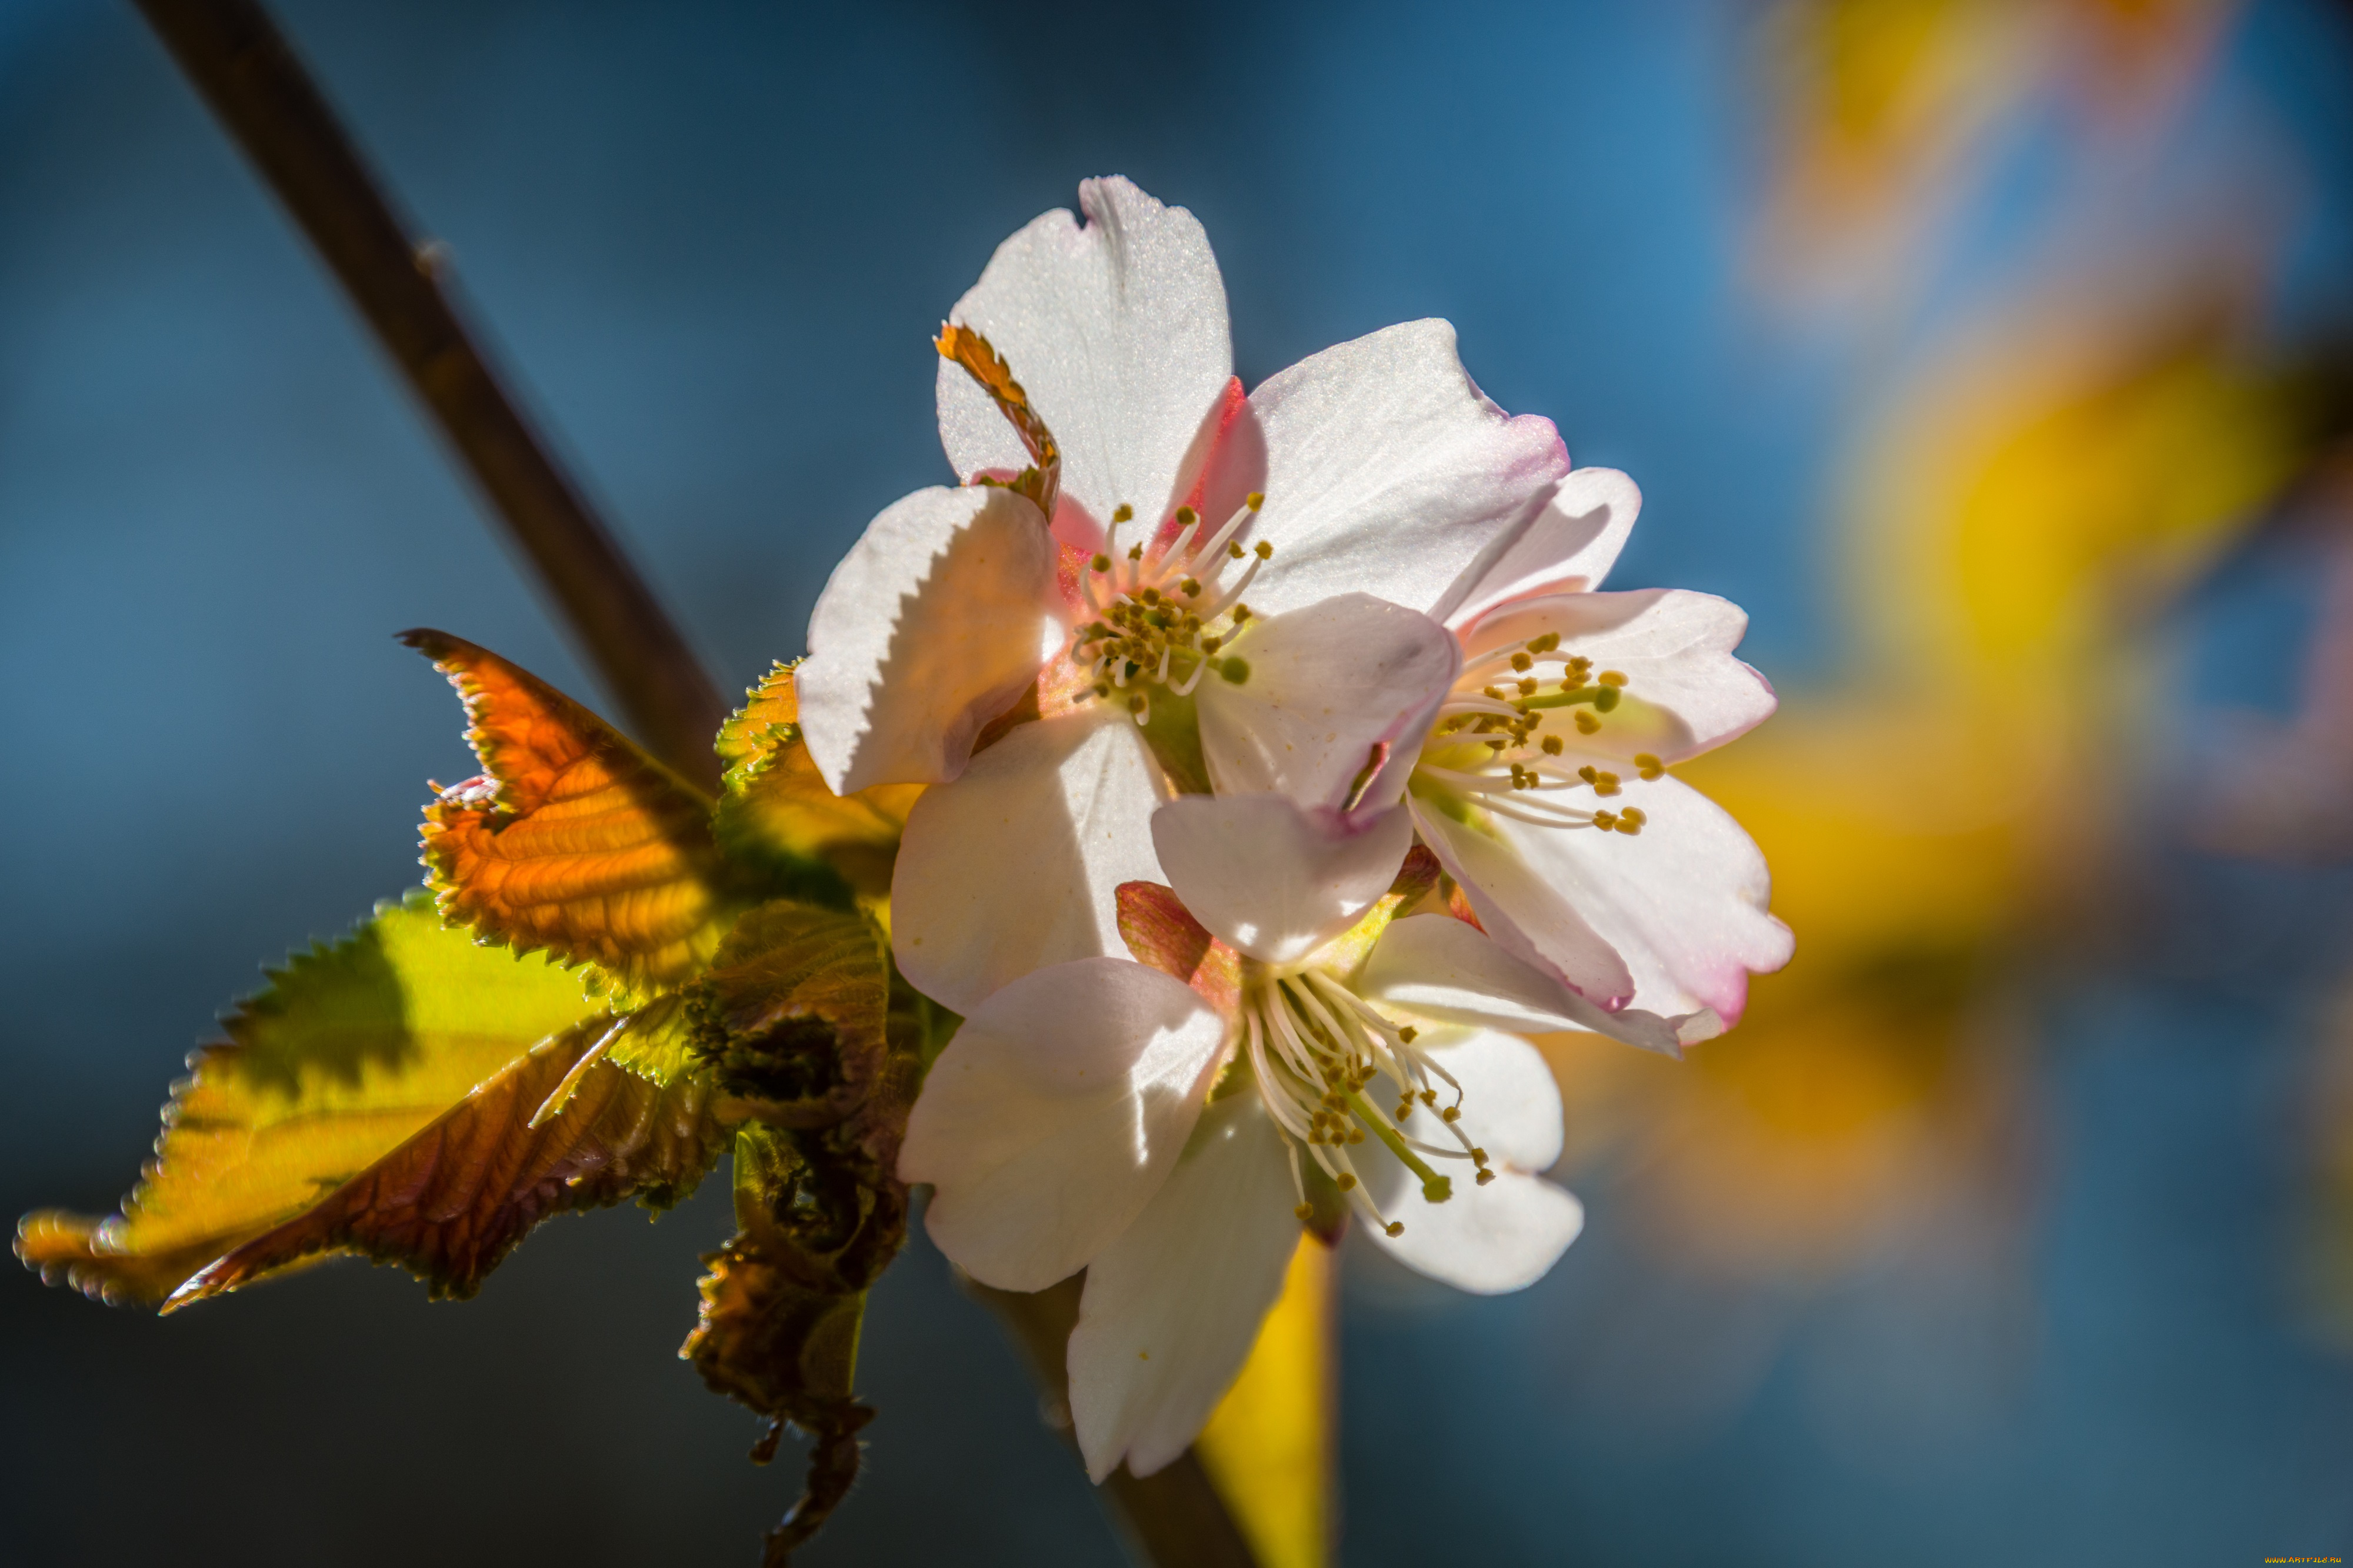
x=1683 y=903
x=1056 y=1113
x=1173 y=1306
x=1685 y=692
x=1568 y=549
x=940 y=614
x=1386 y=470
x=1335 y=689
x=1116 y=329
x=1487 y=1241
x=1016 y=865
x=1274 y=881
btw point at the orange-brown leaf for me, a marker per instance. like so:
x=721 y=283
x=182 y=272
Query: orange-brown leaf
x=451 y=1202
x=574 y=840
x=979 y=360
x=775 y=804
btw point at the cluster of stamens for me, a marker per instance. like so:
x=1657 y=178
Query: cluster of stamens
x=1490 y=724
x=1315 y=1048
x=1162 y=621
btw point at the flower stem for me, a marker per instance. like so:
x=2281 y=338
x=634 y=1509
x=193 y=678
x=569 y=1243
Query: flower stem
x=242 y=65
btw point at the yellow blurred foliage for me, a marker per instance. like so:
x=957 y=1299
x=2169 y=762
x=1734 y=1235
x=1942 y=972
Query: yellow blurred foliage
x=1269 y=1444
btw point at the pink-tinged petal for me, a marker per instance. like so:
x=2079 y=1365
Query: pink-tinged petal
x=1386 y=471
x=1116 y=329
x=1173 y=1306
x=932 y=625
x=1529 y=917
x=1056 y=1113
x=1333 y=709
x=1568 y=549
x=1685 y=692
x=1274 y=881
x=1487 y=1241
x=1684 y=902
x=1438 y=967
x=1017 y=864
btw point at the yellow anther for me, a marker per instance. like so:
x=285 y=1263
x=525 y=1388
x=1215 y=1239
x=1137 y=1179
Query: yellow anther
x=1590 y=773
x=1527 y=686
x=1395 y=1228
x=1649 y=766
x=1587 y=724
x=1486 y=1175
x=1135 y=553
x=1613 y=678
x=1234 y=548
x=1581 y=666
x=1356 y=1134
x=1406 y=1035
x=1190 y=587
x=1604 y=784
x=1628 y=827
x=1543 y=644
x=1478 y=1156
x=1303 y=1213
x=1186 y=517
x=1264 y=551
x=1551 y=744
x=1451 y=1113
x=1347 y=1181
x=1521 y=661
x=1102 y=689
x=1404 y=1109
x=1100 y=563
x=1212 y=645
x=1634 y=814
x=1122 y=512
x=1136 y=702
x=1605 y=820
x=1242 y=613
x=1255 y=499
x=1494 y=692
x=1150 y=595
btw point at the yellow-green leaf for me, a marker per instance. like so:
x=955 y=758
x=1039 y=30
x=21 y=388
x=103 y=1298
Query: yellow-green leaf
x=353 y=1049
x=573 y=840
x=451 y=1201
x=776 y=806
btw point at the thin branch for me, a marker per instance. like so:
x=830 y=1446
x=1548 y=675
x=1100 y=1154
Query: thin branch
x=1170 y=1518
x=245 y=71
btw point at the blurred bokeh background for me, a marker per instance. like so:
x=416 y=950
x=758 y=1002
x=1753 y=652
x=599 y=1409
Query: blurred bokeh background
x=1995 y=355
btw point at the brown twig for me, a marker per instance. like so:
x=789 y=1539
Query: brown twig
x=1170 y=1518
x=245 y=71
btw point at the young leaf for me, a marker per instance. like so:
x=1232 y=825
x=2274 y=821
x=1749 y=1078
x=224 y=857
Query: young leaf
x=795 y=1020
x=774 y=807
x=573 y=840
x=452 y=1200
x=353 y=1049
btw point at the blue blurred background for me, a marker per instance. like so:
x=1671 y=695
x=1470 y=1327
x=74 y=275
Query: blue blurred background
x=2075 y=1287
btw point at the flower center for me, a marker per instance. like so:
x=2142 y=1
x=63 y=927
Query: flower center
x=1315 y=1048
x=1162 y=621
x=1486 y=745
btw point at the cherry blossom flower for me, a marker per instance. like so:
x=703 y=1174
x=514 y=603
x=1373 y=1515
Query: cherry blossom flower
x=1544 y=788
x=1296 y=1047
x=1148 y=584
